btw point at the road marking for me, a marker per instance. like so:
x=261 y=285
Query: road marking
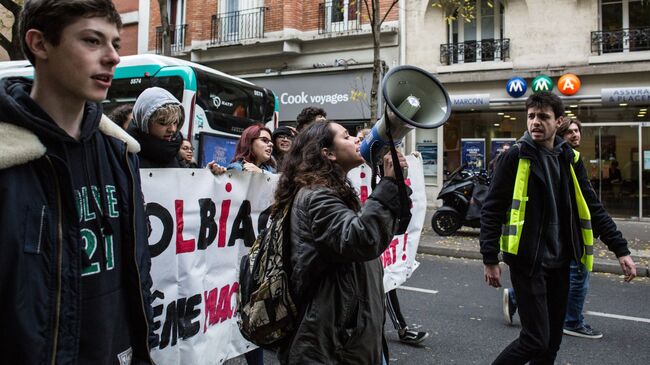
x=618 y=316
x=418 y=289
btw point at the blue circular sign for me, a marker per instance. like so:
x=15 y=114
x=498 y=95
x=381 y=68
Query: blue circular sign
x=516 y=87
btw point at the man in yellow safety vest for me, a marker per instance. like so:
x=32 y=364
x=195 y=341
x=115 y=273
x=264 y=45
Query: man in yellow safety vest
x=537 y=181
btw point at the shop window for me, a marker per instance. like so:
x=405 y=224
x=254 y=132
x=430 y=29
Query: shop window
x=479 y=40
x=625 y=27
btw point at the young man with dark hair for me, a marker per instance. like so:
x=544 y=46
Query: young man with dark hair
x=539 y=180
x=308 y=116
x=571 y=131
x=74 y=269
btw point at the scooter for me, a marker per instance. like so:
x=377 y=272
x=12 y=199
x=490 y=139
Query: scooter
x=462 y=196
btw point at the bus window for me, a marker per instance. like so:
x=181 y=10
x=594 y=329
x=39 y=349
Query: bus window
x=231 y=106
x=125 y=91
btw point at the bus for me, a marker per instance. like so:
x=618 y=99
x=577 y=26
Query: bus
x=218 y=107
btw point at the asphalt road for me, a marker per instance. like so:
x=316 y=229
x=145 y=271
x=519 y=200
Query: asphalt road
x=464 y=318
x=467 y=327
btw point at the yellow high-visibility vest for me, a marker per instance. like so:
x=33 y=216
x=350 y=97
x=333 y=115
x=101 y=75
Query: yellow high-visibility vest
x=511 y=233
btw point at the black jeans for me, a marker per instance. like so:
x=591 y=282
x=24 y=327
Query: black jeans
x=541 y=302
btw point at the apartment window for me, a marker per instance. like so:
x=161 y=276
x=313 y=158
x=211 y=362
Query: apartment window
x=237 y=20
x=176 y=13
x=177 y=28
x=625 y=27
x=479 y=40
x=339 y=16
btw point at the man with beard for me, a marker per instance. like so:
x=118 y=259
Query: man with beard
x=539 y=180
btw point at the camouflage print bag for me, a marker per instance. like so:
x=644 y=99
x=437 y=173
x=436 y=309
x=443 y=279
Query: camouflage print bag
x=267 y=313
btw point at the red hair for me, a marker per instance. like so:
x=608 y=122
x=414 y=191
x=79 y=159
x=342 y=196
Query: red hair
x=244 y=149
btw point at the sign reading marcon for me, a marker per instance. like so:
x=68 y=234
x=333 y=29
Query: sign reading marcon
x=630 y=95
x=343 y=95
x=470 y=102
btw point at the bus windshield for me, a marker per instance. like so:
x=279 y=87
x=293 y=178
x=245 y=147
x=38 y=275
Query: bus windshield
x=125 y=91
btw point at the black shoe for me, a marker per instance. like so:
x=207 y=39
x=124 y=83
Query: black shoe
x=585 y=332
x=509 y=306
x=412 y=337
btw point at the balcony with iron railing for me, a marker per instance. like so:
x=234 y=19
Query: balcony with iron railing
x=176 y=38
x=475 y=51
x=620 y=40
x=333 y=18
x=235 y=26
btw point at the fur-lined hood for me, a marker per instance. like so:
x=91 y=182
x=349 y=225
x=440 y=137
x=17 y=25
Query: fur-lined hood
x=19 y=145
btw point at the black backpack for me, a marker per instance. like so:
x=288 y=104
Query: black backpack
x=267 y=311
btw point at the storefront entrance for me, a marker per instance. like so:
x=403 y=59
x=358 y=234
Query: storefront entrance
x=618 y=172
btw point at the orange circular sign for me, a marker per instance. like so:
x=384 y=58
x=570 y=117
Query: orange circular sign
x=568 y=84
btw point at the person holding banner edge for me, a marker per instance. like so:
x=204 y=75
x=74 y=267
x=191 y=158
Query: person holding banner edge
x=74 y=270
x=256 y=146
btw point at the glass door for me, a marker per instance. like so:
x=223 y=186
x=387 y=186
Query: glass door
x=611 y=155
x=645 y=170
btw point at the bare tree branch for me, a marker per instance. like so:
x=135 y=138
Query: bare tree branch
x=388 y=12
x=12 y=6
x=5 y=43
x=370 y=17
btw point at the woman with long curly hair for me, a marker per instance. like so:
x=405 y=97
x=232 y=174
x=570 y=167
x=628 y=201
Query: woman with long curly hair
x=335 y=244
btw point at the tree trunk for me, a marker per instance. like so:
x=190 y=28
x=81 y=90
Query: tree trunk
x=166 y=48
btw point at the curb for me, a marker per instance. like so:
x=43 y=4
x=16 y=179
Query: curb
x=604 y=266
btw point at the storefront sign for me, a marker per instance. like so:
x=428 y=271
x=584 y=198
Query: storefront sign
x=516 y=87
x=343 y=95
x=542 y=83
x=472 y=153
x=470 y=102
x=568 y=84
x=629 y=95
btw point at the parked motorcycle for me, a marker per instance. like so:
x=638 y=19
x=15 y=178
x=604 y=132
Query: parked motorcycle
x=462 y=196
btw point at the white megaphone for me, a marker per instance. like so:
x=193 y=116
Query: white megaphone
x=413 y=99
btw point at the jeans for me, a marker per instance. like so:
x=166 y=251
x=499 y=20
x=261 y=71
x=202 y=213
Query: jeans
x=578 y=286
x=541 y=301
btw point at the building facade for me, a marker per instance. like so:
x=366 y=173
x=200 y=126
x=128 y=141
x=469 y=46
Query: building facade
x=604 y=43
x=310 y=53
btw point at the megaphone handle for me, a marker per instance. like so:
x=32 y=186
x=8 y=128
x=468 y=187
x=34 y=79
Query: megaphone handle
x=405 y=202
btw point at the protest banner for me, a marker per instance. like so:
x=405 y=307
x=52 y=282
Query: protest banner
x=201 y=226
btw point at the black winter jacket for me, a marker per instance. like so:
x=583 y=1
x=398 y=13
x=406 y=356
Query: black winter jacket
x=41 y=260
x=531 y=244
x=337 y=276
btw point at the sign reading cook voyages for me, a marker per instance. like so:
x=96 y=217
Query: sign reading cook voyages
x=630 y=95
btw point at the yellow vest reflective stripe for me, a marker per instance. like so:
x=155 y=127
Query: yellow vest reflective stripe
x=512 y=230
x=511 y=233
x=585 y=220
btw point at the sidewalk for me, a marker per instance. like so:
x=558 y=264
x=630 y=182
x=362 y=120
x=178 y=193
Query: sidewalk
x=465 y=244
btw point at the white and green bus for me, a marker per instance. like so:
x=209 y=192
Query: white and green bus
x=218 y=107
